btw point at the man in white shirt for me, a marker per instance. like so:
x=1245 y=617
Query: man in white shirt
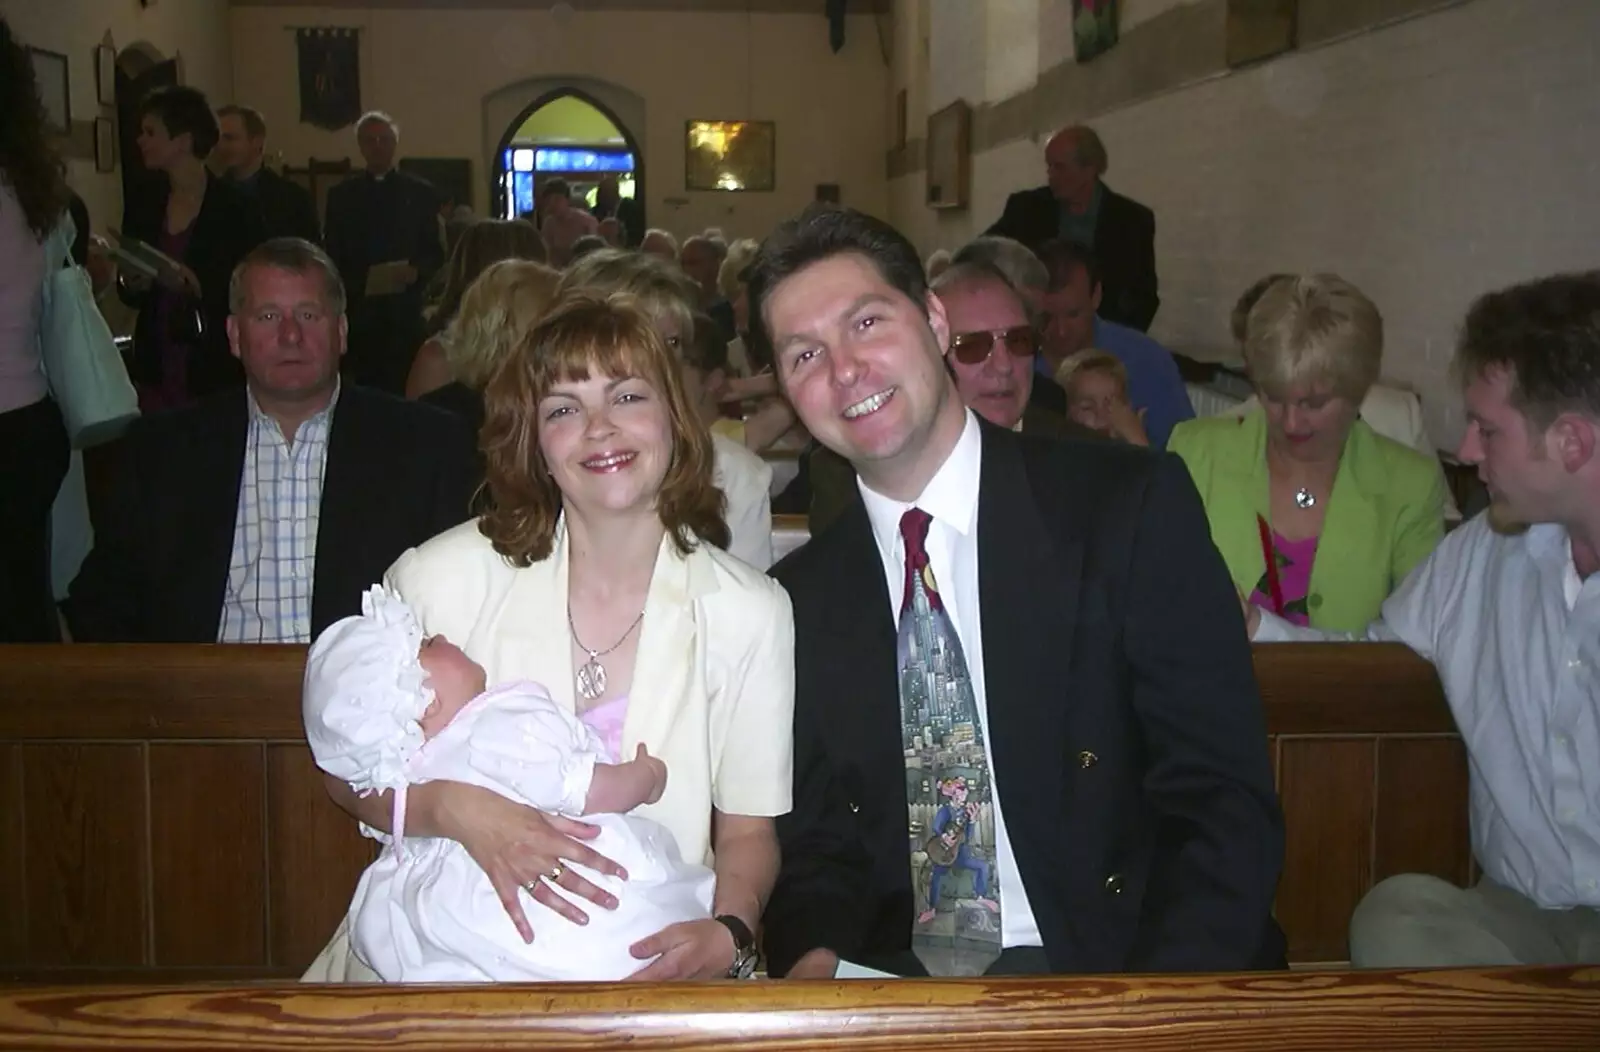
x=1024 y=742
x=1509 y=614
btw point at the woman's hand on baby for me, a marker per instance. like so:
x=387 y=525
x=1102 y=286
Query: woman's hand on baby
x=701 y=949
x=521 y=848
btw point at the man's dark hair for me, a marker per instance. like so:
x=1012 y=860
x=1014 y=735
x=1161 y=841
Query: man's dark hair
x=254 y=125
x=1062 y=257
x=1546 y=335
x=822 y=232
x=184 y=110
x=557 y=185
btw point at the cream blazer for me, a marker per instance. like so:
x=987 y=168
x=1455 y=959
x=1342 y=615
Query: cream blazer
x=713 y=681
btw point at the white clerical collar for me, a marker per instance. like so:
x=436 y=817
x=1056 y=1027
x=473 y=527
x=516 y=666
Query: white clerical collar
x=951 y=496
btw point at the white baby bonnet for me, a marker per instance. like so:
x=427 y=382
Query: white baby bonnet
x=364 y=693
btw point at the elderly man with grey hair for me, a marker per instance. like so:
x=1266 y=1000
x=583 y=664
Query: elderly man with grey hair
x=261 y=515
x=384 y=216
x=1077 y=205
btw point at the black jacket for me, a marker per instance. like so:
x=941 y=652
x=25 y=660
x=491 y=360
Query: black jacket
x=1124 y=722
x=397 y=473
x=227 y=228
x=1124 y=246
x=287 y=209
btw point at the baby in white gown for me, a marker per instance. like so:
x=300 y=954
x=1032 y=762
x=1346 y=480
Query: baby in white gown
x=385 y=708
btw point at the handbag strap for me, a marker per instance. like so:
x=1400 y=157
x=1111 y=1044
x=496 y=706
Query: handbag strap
x=58 y=246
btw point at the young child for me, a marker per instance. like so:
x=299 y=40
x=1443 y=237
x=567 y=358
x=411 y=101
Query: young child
x=1096 y=383
x=385 y=708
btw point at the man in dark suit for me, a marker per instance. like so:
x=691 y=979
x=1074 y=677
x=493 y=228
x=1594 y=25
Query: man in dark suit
x=287 y=209
x=1077 y=780
x=1079 y=206
x=262 y=515
x=384 y=215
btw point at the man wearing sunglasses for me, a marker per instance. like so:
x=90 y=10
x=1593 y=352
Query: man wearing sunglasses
x=993 y=345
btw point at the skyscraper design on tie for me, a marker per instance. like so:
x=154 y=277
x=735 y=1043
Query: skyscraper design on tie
x=948 y=783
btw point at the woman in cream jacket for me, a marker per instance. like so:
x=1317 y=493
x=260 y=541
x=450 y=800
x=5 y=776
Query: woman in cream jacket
x=599 y=572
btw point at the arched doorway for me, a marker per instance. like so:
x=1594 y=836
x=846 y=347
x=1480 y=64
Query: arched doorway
x=141 y=69
x=567 y=132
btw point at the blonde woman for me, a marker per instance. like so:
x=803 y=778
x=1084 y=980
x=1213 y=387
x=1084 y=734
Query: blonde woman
x=495 y=315
x=1316 y=514
x=485 y=242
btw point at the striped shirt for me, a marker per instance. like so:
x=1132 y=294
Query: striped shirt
x=268 y=593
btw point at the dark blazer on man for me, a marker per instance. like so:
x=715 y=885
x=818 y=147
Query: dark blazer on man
x=397 y=473
x=227 y=228
x=370 y=221
x=1124 y=246
x=287 y=208
x=1126 y=729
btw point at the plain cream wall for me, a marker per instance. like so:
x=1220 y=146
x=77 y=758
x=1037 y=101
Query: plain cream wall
x=433 y=70
x=196 y=31
x=1427 y=161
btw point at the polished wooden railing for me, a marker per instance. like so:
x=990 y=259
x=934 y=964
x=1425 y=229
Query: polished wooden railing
x=161 y=819
x=1521 y=1010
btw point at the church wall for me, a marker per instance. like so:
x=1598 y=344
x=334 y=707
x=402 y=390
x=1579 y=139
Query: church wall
x=434 y=70
x=1428 y=152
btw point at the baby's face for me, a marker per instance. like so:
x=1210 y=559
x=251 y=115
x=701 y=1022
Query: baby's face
x=455 y=678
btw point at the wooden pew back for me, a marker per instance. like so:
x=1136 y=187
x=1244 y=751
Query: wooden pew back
x=161 y=819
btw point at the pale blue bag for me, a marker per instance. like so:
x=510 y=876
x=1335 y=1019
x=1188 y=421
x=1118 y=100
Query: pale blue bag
x=87 y=377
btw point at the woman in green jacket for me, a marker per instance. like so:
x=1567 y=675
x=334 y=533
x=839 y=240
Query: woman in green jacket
x=1317 y=516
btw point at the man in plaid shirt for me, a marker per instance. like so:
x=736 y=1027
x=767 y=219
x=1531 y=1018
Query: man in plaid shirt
x=260 y=516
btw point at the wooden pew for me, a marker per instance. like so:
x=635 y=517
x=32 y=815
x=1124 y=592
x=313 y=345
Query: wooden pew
x=1525 y=1010
x=161 y=820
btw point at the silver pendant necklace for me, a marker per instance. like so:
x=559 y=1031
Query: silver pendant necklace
x=1304 y=499
x=591 y=678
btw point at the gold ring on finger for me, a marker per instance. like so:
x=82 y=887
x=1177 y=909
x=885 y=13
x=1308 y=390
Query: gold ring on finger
x=555 y=873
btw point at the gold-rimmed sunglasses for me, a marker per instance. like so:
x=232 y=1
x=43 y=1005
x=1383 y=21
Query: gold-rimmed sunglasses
x=974 y=348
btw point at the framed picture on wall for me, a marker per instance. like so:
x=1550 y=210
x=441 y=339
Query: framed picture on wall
x=949 y=165
x=105 y=74
x=731 y=155
x=55 y=89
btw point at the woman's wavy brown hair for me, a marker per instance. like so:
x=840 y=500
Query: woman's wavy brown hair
x=29 y=163
x=614 y=336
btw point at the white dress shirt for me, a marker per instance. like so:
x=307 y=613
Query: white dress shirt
x=267 y=598
x=1515 y=636
x=951 y=498
x=746 y=480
